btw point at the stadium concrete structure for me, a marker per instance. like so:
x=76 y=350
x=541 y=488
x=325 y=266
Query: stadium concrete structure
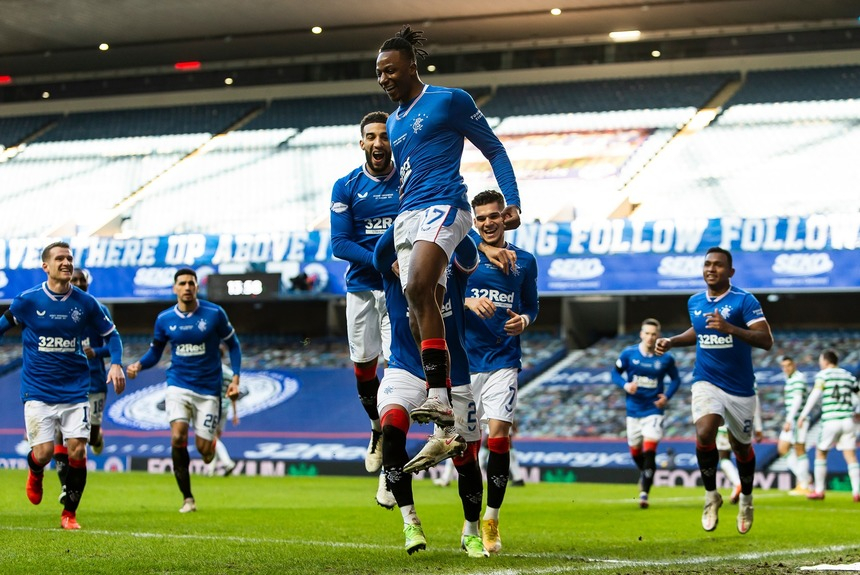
x=711 y=66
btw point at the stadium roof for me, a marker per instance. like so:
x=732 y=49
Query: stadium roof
x=44 y=38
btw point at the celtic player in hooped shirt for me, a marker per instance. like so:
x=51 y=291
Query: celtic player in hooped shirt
x=727 y=322
x=55 y=378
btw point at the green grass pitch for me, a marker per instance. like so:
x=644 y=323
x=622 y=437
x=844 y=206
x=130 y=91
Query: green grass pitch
x=331 y=525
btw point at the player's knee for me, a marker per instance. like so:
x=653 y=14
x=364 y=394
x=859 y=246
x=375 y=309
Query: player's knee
x=499 y=444
x=365 y=372
x=395 y=419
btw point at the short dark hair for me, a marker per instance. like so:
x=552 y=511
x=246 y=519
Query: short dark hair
x=408 y=42
x=787 y=358
x=488 y=197
x=184 y=272
x=830 y=356
x=651 y=321
x=373 y=118
x=719 y=250
x=49 y=247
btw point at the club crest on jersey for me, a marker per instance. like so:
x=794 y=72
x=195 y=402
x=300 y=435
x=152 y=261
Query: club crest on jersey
x=201 y=325
x=76 y=314
x=725 y=311
x=418 y=123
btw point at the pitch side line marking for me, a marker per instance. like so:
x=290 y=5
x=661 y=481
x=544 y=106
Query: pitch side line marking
x=585 y=563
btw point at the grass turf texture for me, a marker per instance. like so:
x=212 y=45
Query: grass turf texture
x=332 y=525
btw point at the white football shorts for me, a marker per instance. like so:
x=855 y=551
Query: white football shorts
x=737 y=412
x=367 y=326
x=445 y=226
x=97 y=407
x=648 y=428
x=203 y=410
x=495 y=394
x=42 y=420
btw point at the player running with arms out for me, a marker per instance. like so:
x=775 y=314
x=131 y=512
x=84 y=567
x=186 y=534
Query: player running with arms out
x=364 y=204
x=838 y=392
x=641 y=375
x=792 y=438
x=503 y=305
x=427 y=133
x=195 y=328
x=93 y=346
x=403 y=390
x=727 y=322
x=55 y=377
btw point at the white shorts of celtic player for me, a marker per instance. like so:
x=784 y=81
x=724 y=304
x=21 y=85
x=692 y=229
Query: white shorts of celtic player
x=437 y=224
x=42 y=420
x=367 y=327
x=737 y=412
x=795 y=435
x=203 y=411
x=837 y=433
x=723 y=443
x=641 y=428
x=97 y=407
x=496 y=394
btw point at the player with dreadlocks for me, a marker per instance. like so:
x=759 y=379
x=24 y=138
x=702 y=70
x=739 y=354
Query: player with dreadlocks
x=427 y=134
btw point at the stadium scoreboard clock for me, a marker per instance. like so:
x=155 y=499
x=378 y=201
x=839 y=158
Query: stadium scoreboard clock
x=231 y=287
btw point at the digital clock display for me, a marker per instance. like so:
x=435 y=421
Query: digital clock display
x=223 y=287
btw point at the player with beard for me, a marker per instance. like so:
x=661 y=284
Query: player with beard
x=427 y=133
x=727 y=322
x=364 y=204
x=195 y=328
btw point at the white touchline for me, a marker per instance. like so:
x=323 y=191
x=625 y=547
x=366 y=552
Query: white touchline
x=586 y=563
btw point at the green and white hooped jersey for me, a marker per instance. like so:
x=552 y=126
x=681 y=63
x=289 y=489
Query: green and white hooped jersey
x=794 y=383
x=839 y=388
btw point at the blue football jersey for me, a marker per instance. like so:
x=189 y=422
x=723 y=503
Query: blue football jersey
x=489 y=347
x=649 y=372
x=53 y=325
x=194 y=338
x=363 y=206
x=721 y=359
x=427 y=139
x=98 y=373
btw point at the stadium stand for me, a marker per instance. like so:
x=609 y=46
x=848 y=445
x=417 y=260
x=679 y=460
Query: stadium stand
x=579 y=149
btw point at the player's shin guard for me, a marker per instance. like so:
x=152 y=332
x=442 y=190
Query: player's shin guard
x=76 y=480
x=367 y=383
x=61 y=462
x=746 y=470
x=708 y=458
x=498 y=470
x=649 y=465
x=181 y=462
x=434 y=359
x=395 y=424
x=470 y=484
